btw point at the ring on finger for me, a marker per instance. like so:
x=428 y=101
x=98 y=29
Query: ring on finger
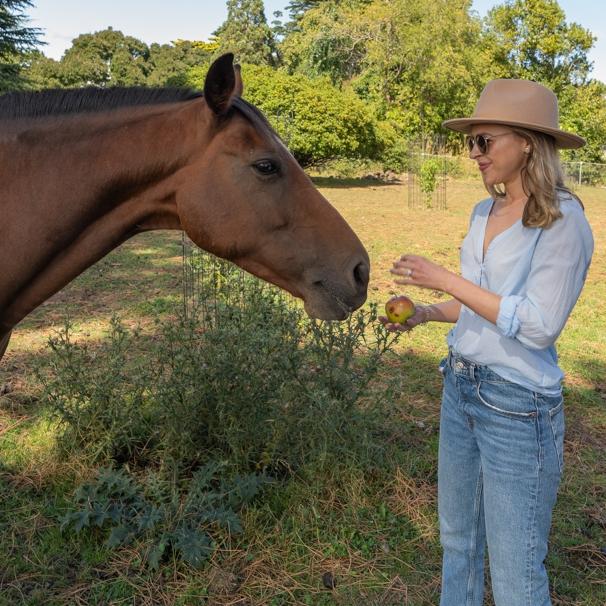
x=409 y=273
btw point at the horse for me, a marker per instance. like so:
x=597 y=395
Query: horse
x=81 y=171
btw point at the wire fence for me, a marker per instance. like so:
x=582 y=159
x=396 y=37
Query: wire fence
x=576 y=174
x=426 y=178
x=584 y=173
x=216 y=291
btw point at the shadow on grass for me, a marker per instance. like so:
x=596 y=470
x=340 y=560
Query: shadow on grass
x=350 y=183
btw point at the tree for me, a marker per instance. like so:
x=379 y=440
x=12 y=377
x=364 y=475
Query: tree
x=327 y=38
x=533 y=41
x=247 y=34
x=297 y=8
x=583 y=111
x=168 y=64
x=109 y=58
x=418 y=61
x=42 y=72
x=15 y=40
x=105 y=58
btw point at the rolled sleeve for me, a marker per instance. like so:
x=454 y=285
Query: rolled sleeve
x=507 y=320
x=558 y=271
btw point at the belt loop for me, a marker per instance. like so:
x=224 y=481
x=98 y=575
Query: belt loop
x=472 y=371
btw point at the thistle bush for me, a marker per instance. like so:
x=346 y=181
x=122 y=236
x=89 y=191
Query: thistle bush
x=245 y=380
x=263 y=387
x=151 y=512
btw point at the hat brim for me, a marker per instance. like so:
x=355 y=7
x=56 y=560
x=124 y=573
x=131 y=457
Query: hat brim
x=563 y=139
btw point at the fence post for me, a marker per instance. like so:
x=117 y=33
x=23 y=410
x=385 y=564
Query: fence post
x=580 y=172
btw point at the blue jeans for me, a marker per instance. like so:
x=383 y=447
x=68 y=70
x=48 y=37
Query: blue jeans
x=499 y=468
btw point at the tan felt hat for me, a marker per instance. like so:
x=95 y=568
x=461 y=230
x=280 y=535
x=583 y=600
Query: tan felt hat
x=518 y=103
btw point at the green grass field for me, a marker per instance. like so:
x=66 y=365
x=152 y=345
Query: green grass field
x=374 y=531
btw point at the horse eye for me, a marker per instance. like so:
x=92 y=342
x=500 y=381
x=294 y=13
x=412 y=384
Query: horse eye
x=266 y=167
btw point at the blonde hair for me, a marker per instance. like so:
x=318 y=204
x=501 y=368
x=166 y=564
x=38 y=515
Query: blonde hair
x=542 y=178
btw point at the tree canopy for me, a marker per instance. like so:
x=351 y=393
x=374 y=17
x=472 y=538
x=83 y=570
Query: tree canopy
x=110 y=58
x=532 y=40
x=408 y=64
x=247 y=34
x=16 y=39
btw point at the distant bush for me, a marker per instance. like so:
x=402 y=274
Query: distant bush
x=315 y=119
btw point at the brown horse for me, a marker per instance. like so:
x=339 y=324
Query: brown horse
x=82 y=171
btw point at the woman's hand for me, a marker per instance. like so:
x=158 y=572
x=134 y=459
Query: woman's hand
x=421 y=316
x=419 y=271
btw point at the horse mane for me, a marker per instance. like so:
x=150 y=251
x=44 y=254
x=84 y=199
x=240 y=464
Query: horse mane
x=53 y=102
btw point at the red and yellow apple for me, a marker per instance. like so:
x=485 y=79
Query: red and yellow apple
x=399 y=309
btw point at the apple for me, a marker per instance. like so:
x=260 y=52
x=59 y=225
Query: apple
x=399 y=309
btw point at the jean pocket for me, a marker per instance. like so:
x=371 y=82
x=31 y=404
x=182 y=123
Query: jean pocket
x=507 y=399
x=557 y=425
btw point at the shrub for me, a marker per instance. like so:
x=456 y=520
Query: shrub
x=193 y=421
x=315 y=119
x=428 y=178
x=251 y=381
x=152 y=512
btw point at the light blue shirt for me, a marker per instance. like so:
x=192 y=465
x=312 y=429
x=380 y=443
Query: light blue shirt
x=539 y=273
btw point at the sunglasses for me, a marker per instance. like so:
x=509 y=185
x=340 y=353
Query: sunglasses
x=482 y=141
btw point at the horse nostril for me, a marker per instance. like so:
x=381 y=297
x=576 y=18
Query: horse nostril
x=360 y=273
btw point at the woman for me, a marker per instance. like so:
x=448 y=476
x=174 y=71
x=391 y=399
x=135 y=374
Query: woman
x=523 y=264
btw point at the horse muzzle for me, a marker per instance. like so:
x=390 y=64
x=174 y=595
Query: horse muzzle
x=333 y=298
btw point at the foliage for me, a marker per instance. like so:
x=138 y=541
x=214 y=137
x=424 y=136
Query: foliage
x=168 y=64
x=109 y=58
x=428 y=178
x=315 y=120
x=258 y=386
x=246 y=33
x=330 y=39
x=156 y=514
x=42 y=72
x=105 y=58
x=583 y=111
x=387 y=51
x=16 y=38
x=533 y=41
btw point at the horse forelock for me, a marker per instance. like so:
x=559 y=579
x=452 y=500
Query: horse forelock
x=254 y=115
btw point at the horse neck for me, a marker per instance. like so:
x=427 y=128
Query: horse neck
x=83 y=186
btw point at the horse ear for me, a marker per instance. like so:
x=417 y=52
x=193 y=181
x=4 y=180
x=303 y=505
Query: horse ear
x=223 y=83
x=239 y=84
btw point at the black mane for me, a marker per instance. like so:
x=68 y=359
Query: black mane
x=16 y=105
x=55 y=102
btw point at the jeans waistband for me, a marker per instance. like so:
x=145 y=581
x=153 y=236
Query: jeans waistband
x=468 y=368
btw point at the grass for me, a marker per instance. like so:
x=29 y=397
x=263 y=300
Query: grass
x=374 y=532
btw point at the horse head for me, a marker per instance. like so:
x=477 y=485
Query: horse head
x=245 y=198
